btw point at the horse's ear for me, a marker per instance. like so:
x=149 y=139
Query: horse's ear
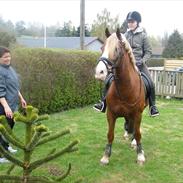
x=107 y=33
x=118 y=33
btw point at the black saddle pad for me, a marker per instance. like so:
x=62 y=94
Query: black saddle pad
x=147 y=86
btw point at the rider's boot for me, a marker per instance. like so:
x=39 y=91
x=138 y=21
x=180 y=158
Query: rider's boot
x=153 y=111
x=101 y=106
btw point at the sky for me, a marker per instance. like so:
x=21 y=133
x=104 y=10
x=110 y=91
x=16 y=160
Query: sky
x=158 y=16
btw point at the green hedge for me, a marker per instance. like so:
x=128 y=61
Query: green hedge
x=155 y=62
x=56 y=80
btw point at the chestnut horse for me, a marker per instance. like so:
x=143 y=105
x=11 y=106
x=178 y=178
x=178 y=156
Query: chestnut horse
x=126 y=95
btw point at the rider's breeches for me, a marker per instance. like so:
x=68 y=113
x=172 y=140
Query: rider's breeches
x=143 y=68
x=107 y=84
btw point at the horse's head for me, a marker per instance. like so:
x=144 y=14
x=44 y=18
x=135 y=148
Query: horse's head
x=112 y=52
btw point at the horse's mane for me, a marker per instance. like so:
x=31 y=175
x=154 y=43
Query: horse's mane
x=126 y=46
x=128 y=49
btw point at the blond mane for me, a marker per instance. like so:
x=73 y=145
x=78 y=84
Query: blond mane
x=129 y=50
x=114 y=40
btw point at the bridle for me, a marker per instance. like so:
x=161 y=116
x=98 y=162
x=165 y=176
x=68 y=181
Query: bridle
x=109 y=64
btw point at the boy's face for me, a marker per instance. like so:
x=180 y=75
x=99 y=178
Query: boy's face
x=5 y=59
x=132 y=24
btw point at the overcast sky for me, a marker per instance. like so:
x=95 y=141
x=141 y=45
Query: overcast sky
x=158 y=16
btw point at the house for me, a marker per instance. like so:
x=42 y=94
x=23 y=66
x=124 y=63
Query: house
x=157 y=52
x=90 y=43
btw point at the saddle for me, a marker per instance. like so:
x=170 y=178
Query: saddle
x=109 y=80
x=145 y=79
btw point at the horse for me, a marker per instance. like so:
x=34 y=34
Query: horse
x=126 y=95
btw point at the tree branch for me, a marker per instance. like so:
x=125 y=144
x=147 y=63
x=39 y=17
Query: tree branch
x=10 y=157
x=53 y=137
x=67 y=149
x=10 y=138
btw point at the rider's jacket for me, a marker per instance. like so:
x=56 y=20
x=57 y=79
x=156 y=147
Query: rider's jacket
x=140 y=45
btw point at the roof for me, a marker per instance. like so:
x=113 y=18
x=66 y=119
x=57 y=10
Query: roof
x=157 y=50
x=57 y=42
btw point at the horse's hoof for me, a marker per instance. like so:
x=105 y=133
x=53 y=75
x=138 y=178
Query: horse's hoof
x=134 y=144
x=104 y=160
x=141 y=163
x=141 y=158
x=126 y=136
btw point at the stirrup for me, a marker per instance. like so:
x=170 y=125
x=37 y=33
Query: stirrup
x=100 y=107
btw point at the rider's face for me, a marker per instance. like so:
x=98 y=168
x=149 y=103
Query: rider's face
x=132 y=24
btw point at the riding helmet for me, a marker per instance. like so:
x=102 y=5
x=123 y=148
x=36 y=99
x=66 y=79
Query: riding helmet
x=134 y=15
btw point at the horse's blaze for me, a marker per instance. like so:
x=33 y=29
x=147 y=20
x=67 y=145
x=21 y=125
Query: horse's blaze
x=101 y=71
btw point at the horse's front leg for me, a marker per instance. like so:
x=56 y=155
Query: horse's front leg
x=137 y=136
x=110 y=135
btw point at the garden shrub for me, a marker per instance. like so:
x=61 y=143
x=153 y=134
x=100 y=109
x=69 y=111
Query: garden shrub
x=54 y=80
x=155 y=62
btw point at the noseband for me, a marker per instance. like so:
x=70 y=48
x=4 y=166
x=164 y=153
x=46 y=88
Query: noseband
x=109 y=65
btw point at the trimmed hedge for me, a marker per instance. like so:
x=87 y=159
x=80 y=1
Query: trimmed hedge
x=56 y=80
x=155 y=62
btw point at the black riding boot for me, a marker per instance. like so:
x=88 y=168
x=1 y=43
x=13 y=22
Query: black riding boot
x=101 y=106
x=152 y=107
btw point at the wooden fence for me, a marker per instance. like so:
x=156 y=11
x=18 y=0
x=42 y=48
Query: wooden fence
x=167 y=83
x=172 y=64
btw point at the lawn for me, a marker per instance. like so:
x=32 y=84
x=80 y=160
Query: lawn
x=162 y=139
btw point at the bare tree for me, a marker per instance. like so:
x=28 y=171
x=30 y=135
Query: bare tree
x=104 y=20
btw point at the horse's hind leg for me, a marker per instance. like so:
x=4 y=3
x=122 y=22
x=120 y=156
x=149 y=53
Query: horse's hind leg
x=137 y=136
x=110 y=135
x=126 y=134
x=129 y=132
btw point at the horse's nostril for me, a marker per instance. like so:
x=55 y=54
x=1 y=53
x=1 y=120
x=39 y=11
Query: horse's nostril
x=101 y=72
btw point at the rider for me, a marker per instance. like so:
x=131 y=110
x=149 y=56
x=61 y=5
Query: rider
x=142 y=51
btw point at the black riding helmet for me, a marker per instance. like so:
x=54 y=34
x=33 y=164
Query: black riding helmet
x=134 y=15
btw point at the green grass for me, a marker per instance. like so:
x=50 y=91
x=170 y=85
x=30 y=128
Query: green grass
x=162 y=139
